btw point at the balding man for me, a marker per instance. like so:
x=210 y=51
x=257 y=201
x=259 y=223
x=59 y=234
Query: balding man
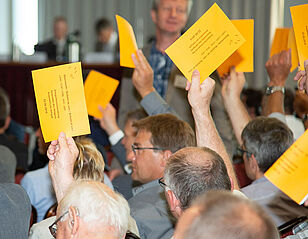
x=221 y=214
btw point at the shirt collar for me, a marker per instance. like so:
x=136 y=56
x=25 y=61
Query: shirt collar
x=139 y=189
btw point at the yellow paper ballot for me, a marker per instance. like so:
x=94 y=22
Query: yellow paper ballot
x=289 y=172
x=99 y=90
x=206 y=44
x=300 y=26
x=60 y=101
x=280 y=41
x=242 y=58
x=127 y=41
x=293 y=47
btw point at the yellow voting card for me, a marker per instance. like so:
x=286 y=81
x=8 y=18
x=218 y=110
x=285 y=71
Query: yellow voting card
x=300 y=26
x=127 y=41
x=242 y=58
x=206 y=44
x=99 y=90
x=280 y=41
x=293 y=47
x=60 y=101
x=289 y=172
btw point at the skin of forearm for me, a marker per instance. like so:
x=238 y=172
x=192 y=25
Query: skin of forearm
x=238 y=115
x=274 y=103
x=207 y=136
x=60 y=190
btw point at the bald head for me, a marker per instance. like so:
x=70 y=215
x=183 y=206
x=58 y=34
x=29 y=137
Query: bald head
x=194 y=170
x=224 y=215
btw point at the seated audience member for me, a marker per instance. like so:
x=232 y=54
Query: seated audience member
x=157 y=138
x=90 y=209
x=72 y=161
x=121 y=146
x=263 y=139
x=56 y=48
x=7 y=165
x=107 y=39
x=37 y=183
x=189 y=173
x=15 y=211
x=294 y=123
x=19 y=149
x=221 y=214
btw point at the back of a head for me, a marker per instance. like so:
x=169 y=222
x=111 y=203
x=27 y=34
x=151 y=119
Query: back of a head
x=100 y=208
x=267 y=139
x=192 y=171
x=4 y=107
x=224 y=215
x=168 y=132
x=7 y=165
x=90 y=163
x=15 y=207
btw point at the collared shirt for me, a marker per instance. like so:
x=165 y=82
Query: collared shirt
x=161 y=65
x=150 y=210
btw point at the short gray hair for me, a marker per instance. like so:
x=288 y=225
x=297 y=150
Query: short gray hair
x=98 y=205
x=225 y=215
x=156 y=3
x=192 y=171
x=267 y=139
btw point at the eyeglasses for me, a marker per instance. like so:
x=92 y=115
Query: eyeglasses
x=54 y=227
x=242 y=151
x=135 y=148
x=163 y=185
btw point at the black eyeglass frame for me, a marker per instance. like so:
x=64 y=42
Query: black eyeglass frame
x=53 y=227
x=162 y=183
x=134 y=148
x=244 y=151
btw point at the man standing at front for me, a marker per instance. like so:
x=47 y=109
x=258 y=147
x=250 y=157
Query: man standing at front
x=158 y=137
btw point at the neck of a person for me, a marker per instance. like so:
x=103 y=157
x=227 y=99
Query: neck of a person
x=259 y=174
x=164 y=40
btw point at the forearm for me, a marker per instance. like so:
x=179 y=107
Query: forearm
x=274 y=103
x=207 y=136
x=238 y=115
x=61 y=186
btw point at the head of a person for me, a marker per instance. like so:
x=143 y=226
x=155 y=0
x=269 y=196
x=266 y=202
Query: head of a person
x=60 y=28
x=129 y=131
x=90 y=163
x=90 y=209
x=104 y=29
x=4 y=110
x=221 y=214
x=170 y=16
x=189 y=173
x=157 y=138
x=265 y=139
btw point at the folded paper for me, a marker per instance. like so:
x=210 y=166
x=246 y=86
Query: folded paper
x=99 y=90
x=60 y=101
x=127 y=41
x=206 y=44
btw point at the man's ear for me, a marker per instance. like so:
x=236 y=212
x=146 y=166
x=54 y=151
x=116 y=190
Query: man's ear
x=254 y=164
x=174 y=204
x=73 y=220
x=166 y=156
x=154 y=16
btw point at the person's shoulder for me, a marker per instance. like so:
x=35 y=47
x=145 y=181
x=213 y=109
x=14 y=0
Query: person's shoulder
x=13 y=192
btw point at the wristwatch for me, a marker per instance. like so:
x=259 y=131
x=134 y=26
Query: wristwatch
x=272 y=89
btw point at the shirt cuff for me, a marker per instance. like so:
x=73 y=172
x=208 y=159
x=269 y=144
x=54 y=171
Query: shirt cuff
x=116 y=137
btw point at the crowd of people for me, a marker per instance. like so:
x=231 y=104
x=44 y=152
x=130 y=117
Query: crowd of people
x=176 y=176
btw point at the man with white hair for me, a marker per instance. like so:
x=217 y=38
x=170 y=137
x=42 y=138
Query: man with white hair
x=90 y=209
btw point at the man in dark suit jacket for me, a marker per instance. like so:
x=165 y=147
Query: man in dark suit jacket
x=56 y=48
